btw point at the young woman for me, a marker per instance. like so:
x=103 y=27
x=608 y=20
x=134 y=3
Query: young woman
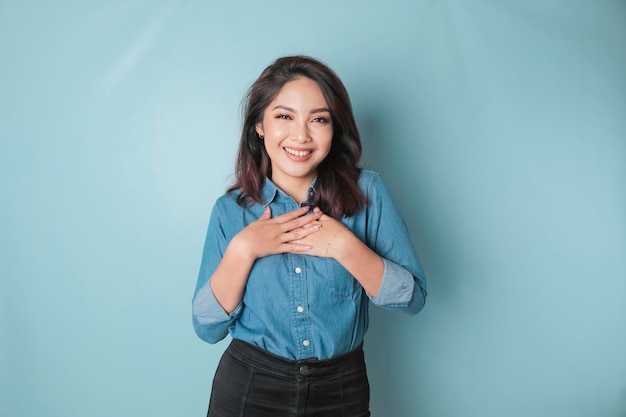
x=296 y=250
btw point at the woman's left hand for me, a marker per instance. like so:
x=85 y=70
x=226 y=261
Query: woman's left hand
x=335 y=240
x=330 y=238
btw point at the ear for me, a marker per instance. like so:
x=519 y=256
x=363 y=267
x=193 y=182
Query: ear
x=259 y=129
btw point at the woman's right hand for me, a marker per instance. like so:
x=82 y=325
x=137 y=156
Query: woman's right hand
x=281 y=234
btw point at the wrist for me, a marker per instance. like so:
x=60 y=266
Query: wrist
x=238 y=248
x=338 y=243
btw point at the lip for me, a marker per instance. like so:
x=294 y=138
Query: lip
x=298 y=154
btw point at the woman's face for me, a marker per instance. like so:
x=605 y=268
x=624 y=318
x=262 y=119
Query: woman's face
x=297 y=129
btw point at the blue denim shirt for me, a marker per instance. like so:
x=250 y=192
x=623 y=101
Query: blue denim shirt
x=302 y=306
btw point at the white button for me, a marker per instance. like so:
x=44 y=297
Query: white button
x=305 y=343
x=300 y=309
x=298 y=270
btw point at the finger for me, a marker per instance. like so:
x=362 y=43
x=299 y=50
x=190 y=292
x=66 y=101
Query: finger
x=301 y=233
x=301 y=221
x=267 y=213
x=294 y=247
x=291 y=215
x=325 y=217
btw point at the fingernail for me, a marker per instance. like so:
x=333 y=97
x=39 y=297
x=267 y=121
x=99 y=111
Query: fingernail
x=316 y=227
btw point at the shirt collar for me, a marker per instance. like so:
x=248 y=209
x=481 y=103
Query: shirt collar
x=270 y=192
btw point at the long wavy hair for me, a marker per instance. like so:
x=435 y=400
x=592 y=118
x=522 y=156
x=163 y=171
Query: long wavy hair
x=337 y=190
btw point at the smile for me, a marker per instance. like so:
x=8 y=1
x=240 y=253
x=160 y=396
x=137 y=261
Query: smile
x=297 y=153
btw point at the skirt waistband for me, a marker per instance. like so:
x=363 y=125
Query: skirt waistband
x=260 y=358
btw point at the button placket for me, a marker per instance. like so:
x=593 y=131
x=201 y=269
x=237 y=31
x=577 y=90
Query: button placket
x=302 y=329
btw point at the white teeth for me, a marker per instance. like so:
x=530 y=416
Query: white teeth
x=297 y=153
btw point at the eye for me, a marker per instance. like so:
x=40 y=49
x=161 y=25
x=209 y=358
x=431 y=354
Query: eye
x=322 y=120
x=282 y=116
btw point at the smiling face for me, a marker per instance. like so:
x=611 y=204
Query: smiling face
x=297 y=129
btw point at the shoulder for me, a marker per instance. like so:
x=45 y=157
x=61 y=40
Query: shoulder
x=228 y=198
x=370 y=182
x=368 y=175
x=227 y=202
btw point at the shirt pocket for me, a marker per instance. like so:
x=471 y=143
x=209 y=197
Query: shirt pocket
x=340 y=281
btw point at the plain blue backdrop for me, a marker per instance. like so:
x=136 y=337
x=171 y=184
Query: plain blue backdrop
x=500 y=127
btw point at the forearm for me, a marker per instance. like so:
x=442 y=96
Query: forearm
x=229 y=279
x=363 y=263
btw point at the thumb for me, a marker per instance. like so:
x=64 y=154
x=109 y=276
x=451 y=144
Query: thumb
x=267 y=214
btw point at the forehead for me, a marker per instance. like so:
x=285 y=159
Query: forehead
x=302 y=91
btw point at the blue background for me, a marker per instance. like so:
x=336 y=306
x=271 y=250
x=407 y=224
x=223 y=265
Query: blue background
x=500 y=127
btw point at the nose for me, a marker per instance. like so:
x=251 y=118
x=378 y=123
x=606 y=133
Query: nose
x=300 y=132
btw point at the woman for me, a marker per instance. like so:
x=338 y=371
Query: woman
x=295 y=251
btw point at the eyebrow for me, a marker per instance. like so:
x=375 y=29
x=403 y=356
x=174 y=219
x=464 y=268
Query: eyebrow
x=319 y=110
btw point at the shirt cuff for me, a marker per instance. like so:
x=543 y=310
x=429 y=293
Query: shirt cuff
x=396 y=289
x=208 y=310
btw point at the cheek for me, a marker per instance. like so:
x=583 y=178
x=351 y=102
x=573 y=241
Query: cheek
x=277 y=130
x=328 y=141
x=326 y=149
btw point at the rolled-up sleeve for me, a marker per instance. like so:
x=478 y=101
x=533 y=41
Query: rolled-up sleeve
x=210 y=321
x=399 y=290
x=403 y=287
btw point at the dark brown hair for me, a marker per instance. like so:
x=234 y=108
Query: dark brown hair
x=338 y=192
